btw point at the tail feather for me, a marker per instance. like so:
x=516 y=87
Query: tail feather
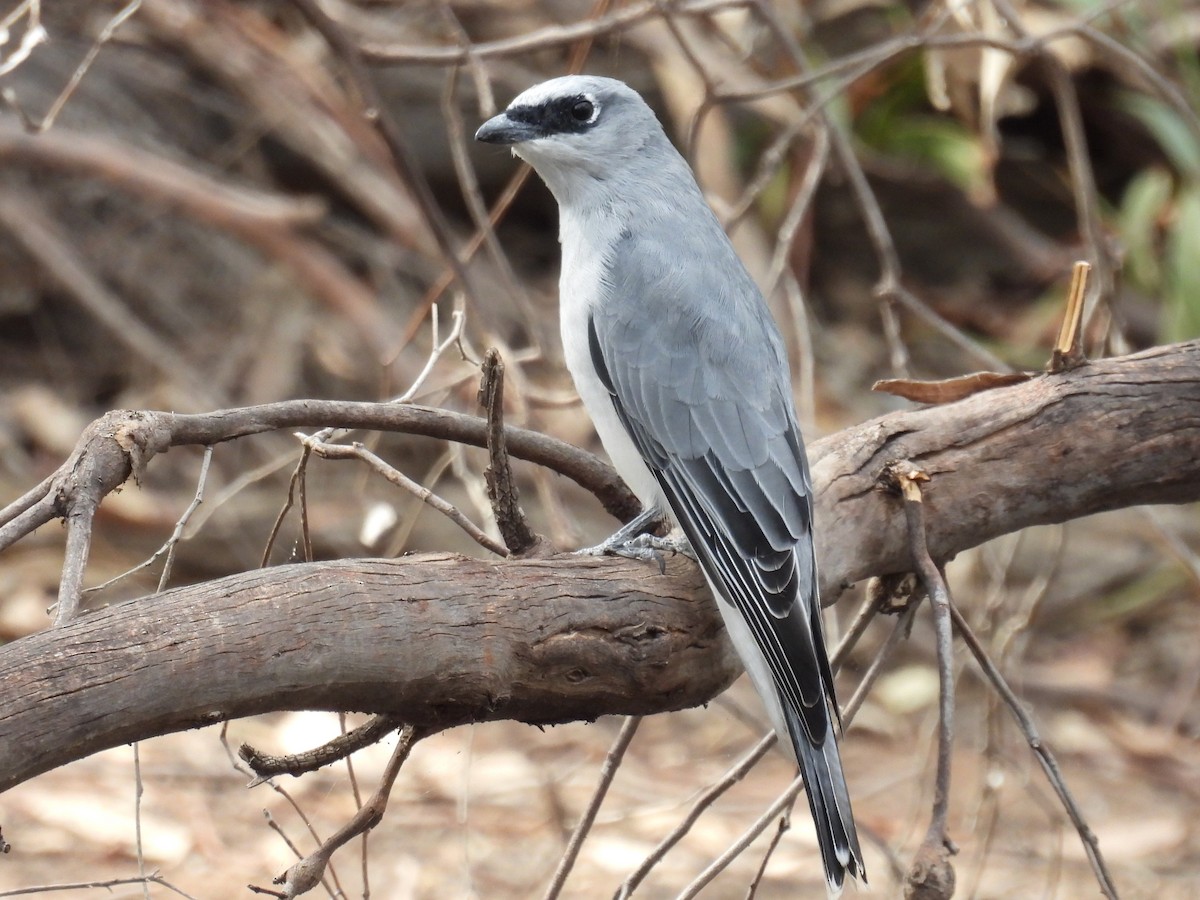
x=829 y=802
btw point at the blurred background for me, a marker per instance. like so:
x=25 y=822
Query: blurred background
x=208 y=219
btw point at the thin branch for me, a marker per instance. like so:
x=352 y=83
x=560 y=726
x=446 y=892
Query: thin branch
x=106 y=34
x=33 y=35
x=172 y=542
x=702 y=803
x=407 y=164
x=31 y=498
x=398 y=478
x=298 y=475
x=538 y=40
x=900 y=630
x=138 y=790
x=306 y=874
x=785 y=822
x=29 y=519
x=108 y=884
x=1043 y=753
x=931 y=875
x=782 y=804
x=458 y=319
x=81 y=513
x=501 y=488
x=275 y=826
x=267 y=766
x=608 y=772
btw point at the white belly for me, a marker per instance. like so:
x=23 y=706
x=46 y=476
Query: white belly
x=579 y=289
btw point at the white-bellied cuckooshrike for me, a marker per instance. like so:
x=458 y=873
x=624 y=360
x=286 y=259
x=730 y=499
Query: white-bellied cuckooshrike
x=684 y=374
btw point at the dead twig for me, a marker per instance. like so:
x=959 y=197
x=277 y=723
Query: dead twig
x=931 y=876
x=295 y=486
x=537 y=40
x=236 y=763
x=501 y=488
x=608 y=772
x=1045 y=756
x=1068 y=349
x=31 y=35
x=170 y=545
x=357 y=451
x=706 y=799
x=267 y=766
x=785 y=822
x=306 y=874
x=109 y=884
x=780 y=807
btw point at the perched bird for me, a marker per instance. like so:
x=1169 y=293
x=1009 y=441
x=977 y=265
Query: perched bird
x=678 y=362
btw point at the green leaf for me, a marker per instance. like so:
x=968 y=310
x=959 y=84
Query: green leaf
x=1182 y=268
x=1143 y=209
x=1177 y=140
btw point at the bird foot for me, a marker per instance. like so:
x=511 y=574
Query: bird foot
x=631 y=544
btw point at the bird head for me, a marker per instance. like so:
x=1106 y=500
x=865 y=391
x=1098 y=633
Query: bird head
x=576 y=126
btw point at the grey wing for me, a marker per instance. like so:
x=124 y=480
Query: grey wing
x=704 y=394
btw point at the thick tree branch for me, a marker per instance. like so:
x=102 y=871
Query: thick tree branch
x=435 y=639
x=1114 y=433
x=440 y=639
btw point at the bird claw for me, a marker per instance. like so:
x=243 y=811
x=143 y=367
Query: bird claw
x=644 y=548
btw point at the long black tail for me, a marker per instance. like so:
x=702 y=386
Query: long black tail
x=829 y=802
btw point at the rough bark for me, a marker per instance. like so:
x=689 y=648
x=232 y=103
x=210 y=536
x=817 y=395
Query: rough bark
x=1111 y=434
x=438 y=639
x=443 y=640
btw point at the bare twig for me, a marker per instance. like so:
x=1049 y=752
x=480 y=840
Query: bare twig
x=458 y=319
x=706 y=799
x=80 y=515
x=109 y=884
x=33 y=34
x=266 y=766
x=236 y=764
x=539 y=39
x=931 y=876
x=882 y=655
x=1068 y=349
x=138 y=790
x=502 y=489
x=608 y=772
x=306 y=874
x=106 y=34
x=785 y=822
x=398 y=478
x=1043 y=753
x=172 y=542
x=298 y=475
x=780 y=807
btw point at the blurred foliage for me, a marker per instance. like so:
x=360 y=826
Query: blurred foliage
x=1159 y=219
x=901 y=123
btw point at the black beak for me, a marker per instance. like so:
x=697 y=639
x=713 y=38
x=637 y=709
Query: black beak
x=503 y=130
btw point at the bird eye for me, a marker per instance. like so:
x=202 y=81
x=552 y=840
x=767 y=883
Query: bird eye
x=582 y=110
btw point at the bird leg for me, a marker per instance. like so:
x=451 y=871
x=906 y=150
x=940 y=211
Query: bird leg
x=634 y=541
